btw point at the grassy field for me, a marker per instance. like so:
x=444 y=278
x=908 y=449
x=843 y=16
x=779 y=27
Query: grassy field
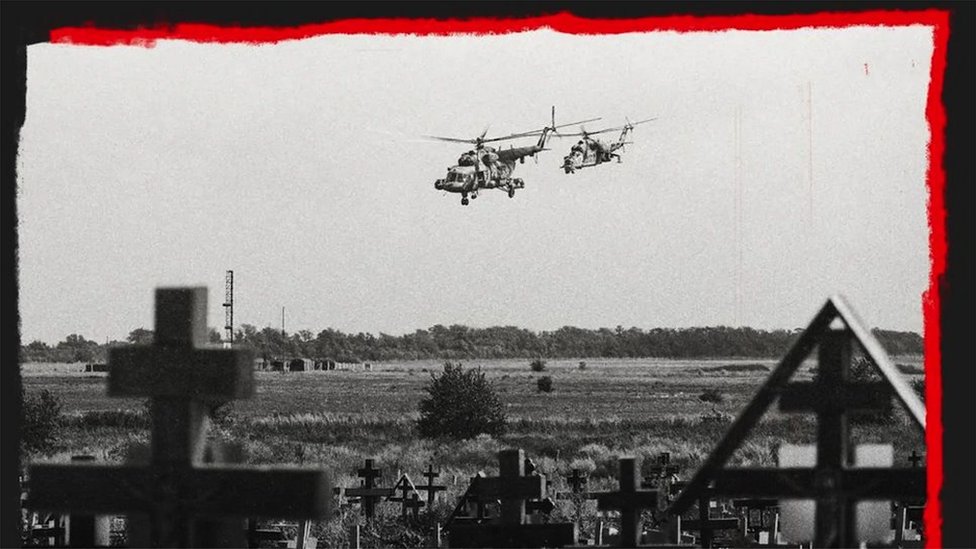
x=335 y=419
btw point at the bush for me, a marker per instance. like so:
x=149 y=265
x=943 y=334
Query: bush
x=544 y=384
x=462 y=404
x=42 y=419
x=713 y=396
x=538 y=365
x=582 y=365
x=862 y=370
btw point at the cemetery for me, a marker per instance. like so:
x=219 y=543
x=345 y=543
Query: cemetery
x=184 y=487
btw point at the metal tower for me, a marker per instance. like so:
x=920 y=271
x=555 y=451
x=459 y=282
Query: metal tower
x=229 y=307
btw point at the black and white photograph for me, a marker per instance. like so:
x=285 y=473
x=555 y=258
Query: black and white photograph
x=564 y=281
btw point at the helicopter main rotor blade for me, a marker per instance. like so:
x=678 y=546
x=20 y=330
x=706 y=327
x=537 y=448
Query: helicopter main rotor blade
x=451 y=139
x=641 y=121
x=574 y=123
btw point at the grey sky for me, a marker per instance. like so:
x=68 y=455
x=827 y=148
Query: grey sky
x=299 y=166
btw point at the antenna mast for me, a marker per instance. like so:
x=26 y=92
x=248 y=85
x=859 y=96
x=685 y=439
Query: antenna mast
x=229 y=307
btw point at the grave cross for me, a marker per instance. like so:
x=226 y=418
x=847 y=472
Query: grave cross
x=833 y=482
x=430 y=487
x=413 y=504
x=576 y=481
x=835 y=487
x=368 y=492
x=182 y=379
x=629 y=501
x=512 y=487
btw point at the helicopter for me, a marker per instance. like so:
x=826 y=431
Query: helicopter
x=591 y=152
x=486 y=167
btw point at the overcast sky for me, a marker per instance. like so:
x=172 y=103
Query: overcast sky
x=299 y=166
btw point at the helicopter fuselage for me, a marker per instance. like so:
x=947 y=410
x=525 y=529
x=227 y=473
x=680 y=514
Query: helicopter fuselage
x=487 y=168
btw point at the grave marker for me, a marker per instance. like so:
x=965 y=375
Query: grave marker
x=413 y=505
x=430 y=487
x=513 y=488
x=175 y=489
x=629 y=500
x=706 y=526
x=834 y=485
x=368 y=492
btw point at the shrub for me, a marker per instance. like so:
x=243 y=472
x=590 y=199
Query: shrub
x=538 y=365
x=862 y=370
x=712 y=396
x=582 y=365
x=462 y=404
x=544 y=384
x=42 y=419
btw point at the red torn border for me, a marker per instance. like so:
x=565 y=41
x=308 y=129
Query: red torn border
x=568 y=23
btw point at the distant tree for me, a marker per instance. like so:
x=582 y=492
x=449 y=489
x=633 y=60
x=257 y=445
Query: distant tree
x=41 y=421
x=538 y=365
x=544 y=384
x=461 y=404
x=76 y=348
x=213 y=336
x=140 y=336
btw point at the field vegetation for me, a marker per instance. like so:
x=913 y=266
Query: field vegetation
x=335 y=419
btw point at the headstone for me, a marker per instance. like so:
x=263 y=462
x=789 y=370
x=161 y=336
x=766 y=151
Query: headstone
x=175 y=490
x=629 y=500
x=706 y=526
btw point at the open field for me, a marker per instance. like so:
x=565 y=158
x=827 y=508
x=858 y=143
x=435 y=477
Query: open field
x=335 y=419
x=643 y=405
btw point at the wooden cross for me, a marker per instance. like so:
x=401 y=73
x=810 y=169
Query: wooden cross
x=430 y=487
x=368 y=492
x=405 y=486
x=629 y=501
x=835 y=487
x=182 y=379
x=576 y=481
x=413 y=504
x=512 y=487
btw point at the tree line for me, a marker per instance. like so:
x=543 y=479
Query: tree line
x=461 y=342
